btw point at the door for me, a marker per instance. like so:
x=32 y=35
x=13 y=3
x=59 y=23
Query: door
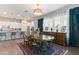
x=40 y=24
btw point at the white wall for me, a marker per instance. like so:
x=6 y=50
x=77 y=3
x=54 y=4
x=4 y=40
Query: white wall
x=54 y=19
x=61 y=17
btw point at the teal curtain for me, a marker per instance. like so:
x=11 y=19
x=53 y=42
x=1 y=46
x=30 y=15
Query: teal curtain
x=74 y=27
x=40 y=24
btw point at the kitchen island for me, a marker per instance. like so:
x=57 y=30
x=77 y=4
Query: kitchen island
x=8 y=35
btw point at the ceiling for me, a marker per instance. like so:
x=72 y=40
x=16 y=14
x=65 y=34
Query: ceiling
x=22 y=11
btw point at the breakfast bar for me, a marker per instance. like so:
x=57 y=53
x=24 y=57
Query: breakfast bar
x=8 y=35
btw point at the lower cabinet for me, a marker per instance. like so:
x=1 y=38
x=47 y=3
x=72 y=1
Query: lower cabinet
x=59 y=37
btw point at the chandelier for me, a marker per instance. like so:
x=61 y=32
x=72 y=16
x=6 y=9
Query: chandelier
x=37 y=11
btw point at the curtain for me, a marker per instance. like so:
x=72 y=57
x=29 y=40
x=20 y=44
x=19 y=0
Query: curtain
x=40 y=24
x=74 y=27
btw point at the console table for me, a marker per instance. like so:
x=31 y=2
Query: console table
x=59 y=37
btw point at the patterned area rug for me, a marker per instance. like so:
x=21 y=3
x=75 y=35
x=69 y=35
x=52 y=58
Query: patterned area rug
x=54 y=49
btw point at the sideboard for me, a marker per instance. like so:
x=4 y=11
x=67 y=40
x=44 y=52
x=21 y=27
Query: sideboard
x=59 y=37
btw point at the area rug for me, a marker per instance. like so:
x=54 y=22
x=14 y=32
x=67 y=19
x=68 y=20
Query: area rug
x=54 y=49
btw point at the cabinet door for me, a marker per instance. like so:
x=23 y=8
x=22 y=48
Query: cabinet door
x=60 y=38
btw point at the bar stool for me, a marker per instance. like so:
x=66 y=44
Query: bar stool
x=3 y=36
x=8 y=35
x=13 y=35
x=18 y=35
x=21 y=34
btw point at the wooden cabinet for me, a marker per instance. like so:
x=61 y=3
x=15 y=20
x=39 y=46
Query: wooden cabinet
x=59 y=37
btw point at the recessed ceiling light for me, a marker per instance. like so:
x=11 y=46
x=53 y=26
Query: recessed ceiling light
x=4 y=12
x=18 y=15
x=29 y=17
